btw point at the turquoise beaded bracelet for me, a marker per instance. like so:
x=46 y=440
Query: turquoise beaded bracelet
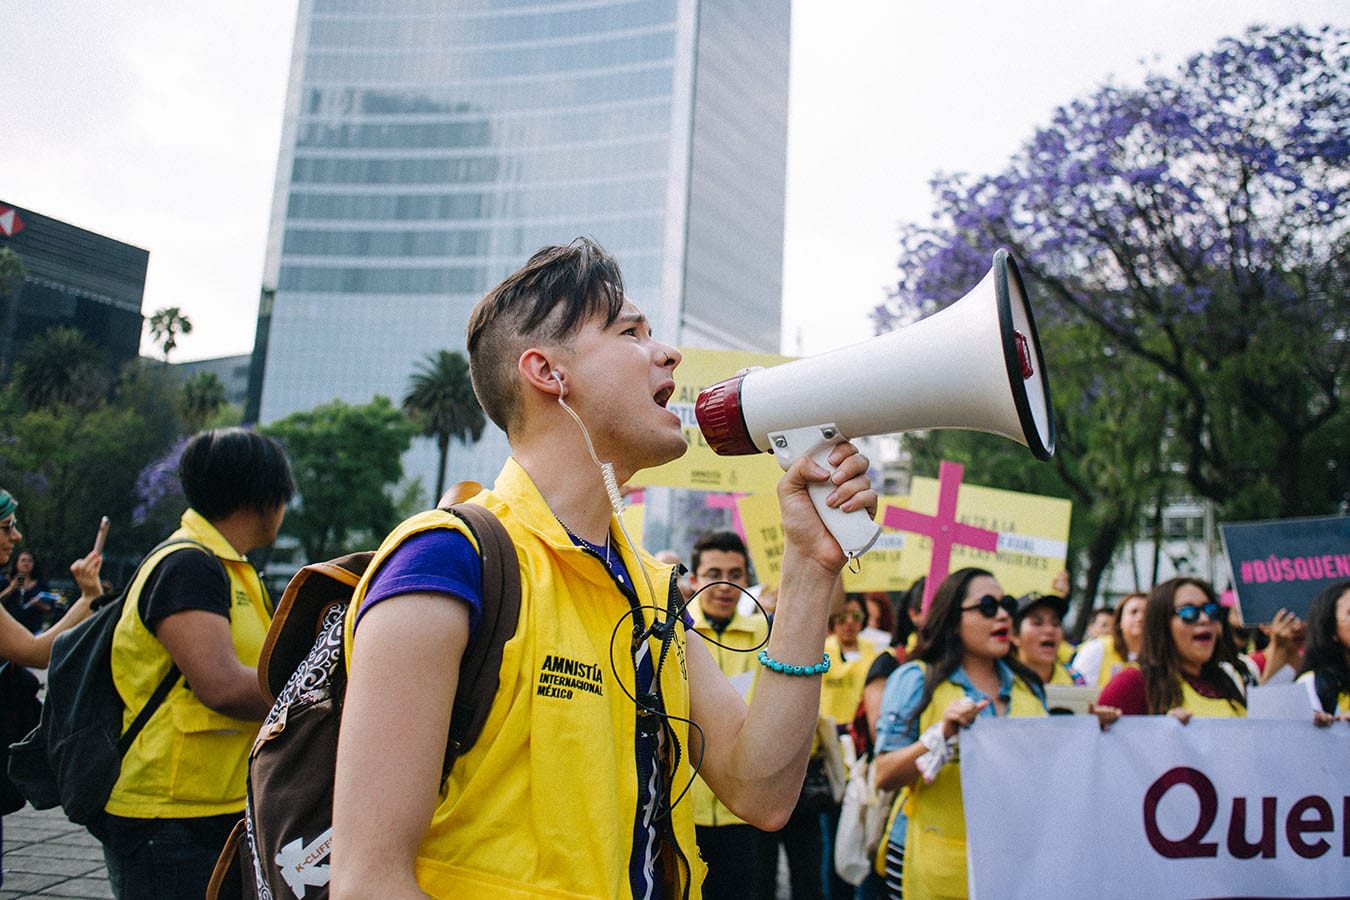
x=783 y=668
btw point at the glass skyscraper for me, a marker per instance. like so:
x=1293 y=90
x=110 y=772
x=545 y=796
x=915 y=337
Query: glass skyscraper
x=430 y=146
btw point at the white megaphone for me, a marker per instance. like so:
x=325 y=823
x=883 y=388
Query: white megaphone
x=976 y=365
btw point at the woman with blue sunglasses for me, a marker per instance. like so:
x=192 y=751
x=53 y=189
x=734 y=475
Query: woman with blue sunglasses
x=1185 y=666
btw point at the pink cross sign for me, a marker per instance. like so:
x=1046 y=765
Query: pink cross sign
x=728 y=501
x=942 y=528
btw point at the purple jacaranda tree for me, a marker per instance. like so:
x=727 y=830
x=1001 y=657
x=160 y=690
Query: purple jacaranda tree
x=1197 y=226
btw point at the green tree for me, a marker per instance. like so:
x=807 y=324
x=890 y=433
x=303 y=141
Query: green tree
x=12 y=274
x=165 y=326
x=441 y=401
x=62 y=367
x=1193 y=231
x=346 y=461
x=70 y=467
x=1199 y=225
x=201 y=398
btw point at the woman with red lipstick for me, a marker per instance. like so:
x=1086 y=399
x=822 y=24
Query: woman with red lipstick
x=1179 y=671
x=961 y=672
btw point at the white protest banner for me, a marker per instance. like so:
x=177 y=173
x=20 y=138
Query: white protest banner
x=1153 y=808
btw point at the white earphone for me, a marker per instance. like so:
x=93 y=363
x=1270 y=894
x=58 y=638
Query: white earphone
x=557 y=376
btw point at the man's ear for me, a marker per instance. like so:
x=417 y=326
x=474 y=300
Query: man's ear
x=539 y=371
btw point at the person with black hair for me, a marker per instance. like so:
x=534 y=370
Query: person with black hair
x=26 y=594
x=960 y=670
x=1325 y=669
x=203 y=609
x=719 y=578
x=1186 y=665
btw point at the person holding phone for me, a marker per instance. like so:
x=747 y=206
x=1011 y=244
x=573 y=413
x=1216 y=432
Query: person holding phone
x=26 y=596
x=18 y=645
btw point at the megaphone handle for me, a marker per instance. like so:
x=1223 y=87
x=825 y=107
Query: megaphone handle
x=855 y=531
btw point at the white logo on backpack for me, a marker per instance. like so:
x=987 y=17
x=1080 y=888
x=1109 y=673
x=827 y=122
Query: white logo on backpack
x=299 y=864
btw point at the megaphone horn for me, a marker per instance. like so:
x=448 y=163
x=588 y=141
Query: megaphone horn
x=976 y=365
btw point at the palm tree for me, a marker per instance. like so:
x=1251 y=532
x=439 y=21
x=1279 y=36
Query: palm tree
x=203 y=395
x=441 y=401
x=61 y=366
x=165 y=327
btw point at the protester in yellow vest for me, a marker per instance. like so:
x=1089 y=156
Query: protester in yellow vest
x=720 y=575
x=1325 y=668
x=603 y=708
x=960 y=671
x=1100 y=658
x=851 y=657
x=1038 y=632
x=205 y=610
x=1181 y=671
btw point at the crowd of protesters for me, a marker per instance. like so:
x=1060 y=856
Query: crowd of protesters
x=711 y=757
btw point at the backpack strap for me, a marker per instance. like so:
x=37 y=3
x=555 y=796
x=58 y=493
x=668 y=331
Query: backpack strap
x=170 y=677
x=479 y=670
x=148 y=710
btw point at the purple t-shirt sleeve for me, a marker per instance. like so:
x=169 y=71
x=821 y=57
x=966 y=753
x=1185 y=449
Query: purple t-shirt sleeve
x=441 y=561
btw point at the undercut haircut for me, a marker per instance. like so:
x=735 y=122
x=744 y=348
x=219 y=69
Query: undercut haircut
x=546 y=301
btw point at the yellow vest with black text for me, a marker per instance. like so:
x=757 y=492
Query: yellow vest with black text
x=189 y=761
x=732 y=652
x=543 y=804
x=935 y=842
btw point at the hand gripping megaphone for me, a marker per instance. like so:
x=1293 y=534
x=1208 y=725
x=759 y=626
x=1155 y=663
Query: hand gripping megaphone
x=976 y=365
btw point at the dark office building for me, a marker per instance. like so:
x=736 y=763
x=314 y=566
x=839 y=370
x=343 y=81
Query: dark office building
x=71 y=277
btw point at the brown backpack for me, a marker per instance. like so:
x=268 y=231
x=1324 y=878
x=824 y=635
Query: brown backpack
x=280 y=847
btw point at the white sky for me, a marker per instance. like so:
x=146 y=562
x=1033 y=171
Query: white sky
x=156 y=122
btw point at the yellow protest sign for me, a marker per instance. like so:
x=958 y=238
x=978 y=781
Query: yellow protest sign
x=763 y=523
x=700 y=468
x=882 y=568
x=1021 y=538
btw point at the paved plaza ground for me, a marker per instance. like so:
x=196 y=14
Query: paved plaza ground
x=48 y=856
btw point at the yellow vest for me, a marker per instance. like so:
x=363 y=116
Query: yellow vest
x=935 y=843
x=1209 y=707
x=841 y=688
x=733 y=658
x=189 y=761
x=1111 y=661
x=543 y=804
x=1059 y=674
x=1065 y=652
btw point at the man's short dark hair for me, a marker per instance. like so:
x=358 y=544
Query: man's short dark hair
x=547 y=301
x=726 y=541
x=229 y=469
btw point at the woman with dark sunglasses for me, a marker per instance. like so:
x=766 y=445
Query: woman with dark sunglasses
x=1181 y=670
x=959 y=671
